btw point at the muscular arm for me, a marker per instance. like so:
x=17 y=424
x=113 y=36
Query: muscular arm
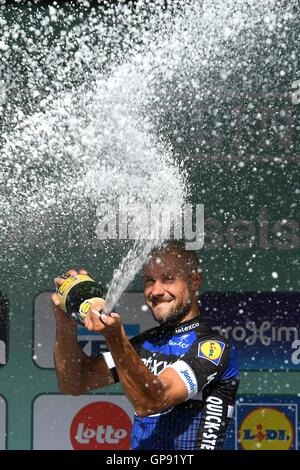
x=76 y=372
x=148 y=393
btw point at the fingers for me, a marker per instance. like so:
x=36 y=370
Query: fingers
x=55 y=299
x=58 y=281
x=111 y=319
x=93 y=322
x=72 y=272
x=96 y=313
x=97 y=306
x=96 y=321
x=114 y=315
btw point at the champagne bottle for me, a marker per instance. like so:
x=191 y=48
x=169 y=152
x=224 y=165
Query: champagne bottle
x=77 y=294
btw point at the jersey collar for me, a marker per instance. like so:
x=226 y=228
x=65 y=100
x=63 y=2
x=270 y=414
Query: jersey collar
x=186 y=326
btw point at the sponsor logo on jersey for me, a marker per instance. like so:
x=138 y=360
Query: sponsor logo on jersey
x=190 y=382
x=180 y=342
x=189 y=379
x=213 y=422
x=266 y=428
x=211 y=377
x=187 y=328
x=175 y=345
x=155 y=366
x=211 y=350
x=187 y=375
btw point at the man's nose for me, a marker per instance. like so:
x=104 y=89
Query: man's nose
x=157 y=288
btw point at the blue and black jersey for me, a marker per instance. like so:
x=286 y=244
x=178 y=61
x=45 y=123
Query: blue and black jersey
x=206 y=363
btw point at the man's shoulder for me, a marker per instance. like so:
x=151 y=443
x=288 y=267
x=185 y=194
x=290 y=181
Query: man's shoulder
x=213 y=336
x=154 y=333
x=206 y=338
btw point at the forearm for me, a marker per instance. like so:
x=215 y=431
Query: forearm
x=143 y=389
x=76 y=372
x=70 y=360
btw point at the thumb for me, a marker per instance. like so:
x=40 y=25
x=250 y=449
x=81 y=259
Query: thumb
x=55 y=299
x=114 y=315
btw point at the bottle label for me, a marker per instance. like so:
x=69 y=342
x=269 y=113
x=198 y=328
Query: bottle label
x=69 y=283
x=87 y=304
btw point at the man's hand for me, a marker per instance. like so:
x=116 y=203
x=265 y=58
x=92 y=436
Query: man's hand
x=76 y=372
x=61 y=318
x=94 y=320
x=107 y=324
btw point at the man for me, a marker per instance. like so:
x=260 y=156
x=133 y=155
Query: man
x=180 y=377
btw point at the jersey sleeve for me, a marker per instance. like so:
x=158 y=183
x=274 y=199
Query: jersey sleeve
x=206 y=360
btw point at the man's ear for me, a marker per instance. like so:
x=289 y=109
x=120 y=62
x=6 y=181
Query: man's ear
x=197 y=281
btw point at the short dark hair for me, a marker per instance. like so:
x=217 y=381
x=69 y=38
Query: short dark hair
x=171 y=246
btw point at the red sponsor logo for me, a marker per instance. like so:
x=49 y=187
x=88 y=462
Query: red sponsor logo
x=102 y=426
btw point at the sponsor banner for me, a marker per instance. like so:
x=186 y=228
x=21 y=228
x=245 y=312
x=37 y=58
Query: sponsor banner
x=101 y=422
x=135 y=314
x=264 y=327
x=3 y=329
x=3 y=433
x=268 y=422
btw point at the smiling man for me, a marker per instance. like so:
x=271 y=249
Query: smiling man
x=171 y=281
x=181 y=377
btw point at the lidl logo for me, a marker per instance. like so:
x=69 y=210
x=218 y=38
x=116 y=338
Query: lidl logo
x=267 y=428
x=211 y=350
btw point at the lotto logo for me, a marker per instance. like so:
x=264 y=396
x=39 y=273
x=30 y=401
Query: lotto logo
x=102 y=426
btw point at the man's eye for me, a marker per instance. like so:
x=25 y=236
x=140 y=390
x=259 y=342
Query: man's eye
x=169 y=278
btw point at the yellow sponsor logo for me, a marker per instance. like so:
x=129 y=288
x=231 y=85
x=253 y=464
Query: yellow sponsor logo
x=69 y=283
x=66 y=284
x=211 y=350
x=266 y=428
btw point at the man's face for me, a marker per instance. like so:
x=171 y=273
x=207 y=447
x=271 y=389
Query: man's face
x=168 y=287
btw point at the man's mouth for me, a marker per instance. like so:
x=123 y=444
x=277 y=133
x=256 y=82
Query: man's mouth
x=161 y=302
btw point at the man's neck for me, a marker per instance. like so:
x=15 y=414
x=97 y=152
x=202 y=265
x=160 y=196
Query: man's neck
x=193 y=312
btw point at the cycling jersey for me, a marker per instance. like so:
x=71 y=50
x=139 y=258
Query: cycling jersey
x=206 y=362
